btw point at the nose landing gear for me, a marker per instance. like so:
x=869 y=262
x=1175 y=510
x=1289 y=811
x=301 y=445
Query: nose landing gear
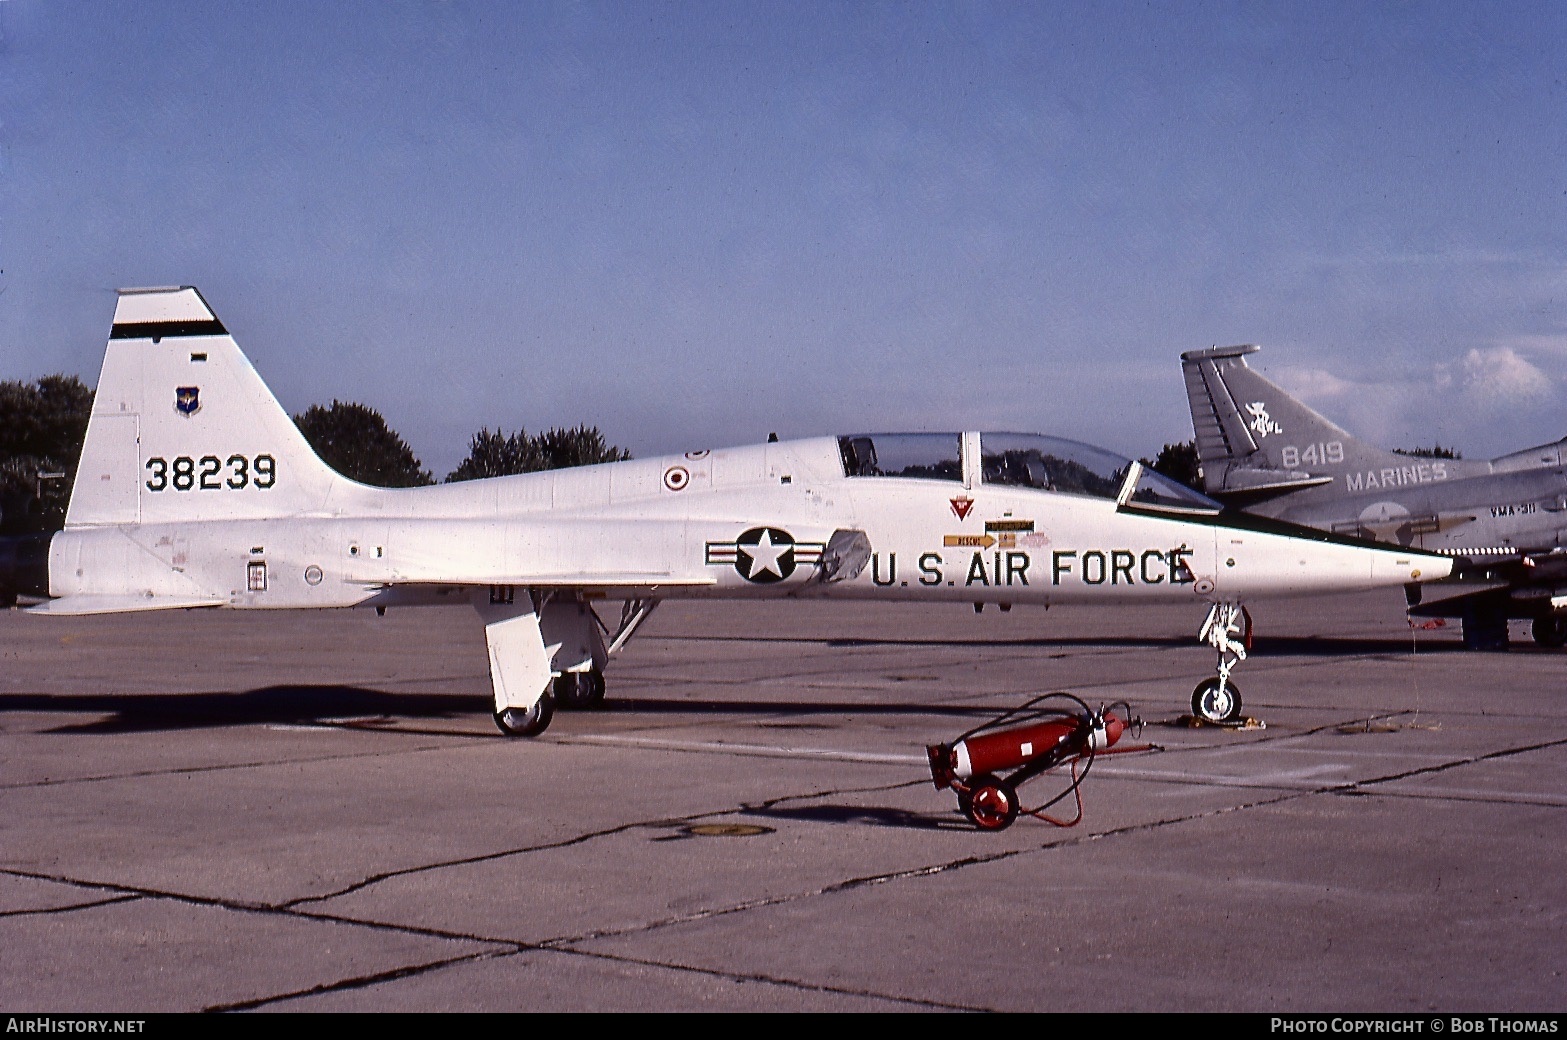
x=1228 y=630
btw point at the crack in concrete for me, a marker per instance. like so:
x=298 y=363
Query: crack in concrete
x=570 y=945
x=220 y=767
x=43 y=911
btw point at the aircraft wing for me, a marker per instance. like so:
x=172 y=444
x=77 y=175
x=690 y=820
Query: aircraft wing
x=576 y=580
x=579 y=580
x=79 y=606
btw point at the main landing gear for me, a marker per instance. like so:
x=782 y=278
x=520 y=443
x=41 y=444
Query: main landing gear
x=568 y=691
x=547 y=653
x=1485 y=627
x=1228 y=630
x=1550 y=630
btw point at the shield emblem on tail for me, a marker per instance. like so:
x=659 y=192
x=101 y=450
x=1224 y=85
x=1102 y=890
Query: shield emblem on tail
x=187 y=400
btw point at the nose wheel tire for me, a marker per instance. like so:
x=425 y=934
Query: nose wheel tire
x=1210 y=704
x=990 y=804
x=527 y=722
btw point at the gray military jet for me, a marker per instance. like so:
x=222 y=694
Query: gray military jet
x=1504 y=521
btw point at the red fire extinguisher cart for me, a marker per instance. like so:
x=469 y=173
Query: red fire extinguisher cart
x=987 y=764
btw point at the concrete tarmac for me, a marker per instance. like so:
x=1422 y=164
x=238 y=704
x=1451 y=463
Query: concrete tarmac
x=314 y=812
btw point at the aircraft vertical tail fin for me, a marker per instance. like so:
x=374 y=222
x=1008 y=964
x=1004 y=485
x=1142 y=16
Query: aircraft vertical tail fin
x=183 y=428
x=1255 y=440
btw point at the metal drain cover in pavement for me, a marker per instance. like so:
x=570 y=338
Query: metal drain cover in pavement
x=727 y=830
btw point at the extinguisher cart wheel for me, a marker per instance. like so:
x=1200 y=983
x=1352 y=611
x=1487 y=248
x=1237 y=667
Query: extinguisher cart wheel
x=990 y=804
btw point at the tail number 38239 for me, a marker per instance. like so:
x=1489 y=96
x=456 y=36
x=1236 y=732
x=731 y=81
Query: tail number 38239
x=210 y=473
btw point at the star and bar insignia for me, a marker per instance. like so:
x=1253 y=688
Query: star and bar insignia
x=765 y=554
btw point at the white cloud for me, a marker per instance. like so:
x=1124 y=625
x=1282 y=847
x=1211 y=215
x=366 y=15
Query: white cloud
x=1538 y=345
x=1457 y=400
x=1315 y=384
x=1499 y=376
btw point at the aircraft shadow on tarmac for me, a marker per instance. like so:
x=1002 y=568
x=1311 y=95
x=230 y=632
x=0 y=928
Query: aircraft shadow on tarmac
x=300 y=705
x=865 y=815
x=1319 y=646
x=364 y=708
x=331 y=704
x=1300 y=646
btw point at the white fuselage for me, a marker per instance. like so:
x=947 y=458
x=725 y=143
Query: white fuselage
x=669 y=527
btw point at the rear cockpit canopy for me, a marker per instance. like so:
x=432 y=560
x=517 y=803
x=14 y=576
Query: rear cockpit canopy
x=1027 y=460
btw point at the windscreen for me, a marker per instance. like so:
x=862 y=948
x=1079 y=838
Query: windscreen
x=1160 y=492
x=1057 y=464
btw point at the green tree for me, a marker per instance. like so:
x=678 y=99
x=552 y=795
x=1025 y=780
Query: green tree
x=355 y=440
x=42 y=427
x=1436 y=451
x=496 y=454
x=582 y=446
x=1179 y=462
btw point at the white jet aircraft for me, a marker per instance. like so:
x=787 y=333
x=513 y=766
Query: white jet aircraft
x=196 y=490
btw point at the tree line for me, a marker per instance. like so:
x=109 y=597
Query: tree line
x=43 y=424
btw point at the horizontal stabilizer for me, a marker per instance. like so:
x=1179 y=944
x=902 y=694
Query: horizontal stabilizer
x=1249 y=486
x=71 y=606
x=1493 y=598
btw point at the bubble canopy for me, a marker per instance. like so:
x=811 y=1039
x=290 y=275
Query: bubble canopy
x=1027 y=460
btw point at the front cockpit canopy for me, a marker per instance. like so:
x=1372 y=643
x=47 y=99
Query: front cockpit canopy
x=929 y=456
x=1016 y=460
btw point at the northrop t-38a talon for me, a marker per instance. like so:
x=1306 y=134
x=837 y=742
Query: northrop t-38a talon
x=1504 y=521
x=195 y=490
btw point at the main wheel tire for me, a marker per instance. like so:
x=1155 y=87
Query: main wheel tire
x=576 y=691
x=593 y=680
x=1550 y=630
x=1485 y=630
x=991 y=804
x=568 y=691
x=1209 y=705
x=527 y=722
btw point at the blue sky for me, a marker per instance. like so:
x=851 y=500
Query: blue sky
x=692 y=224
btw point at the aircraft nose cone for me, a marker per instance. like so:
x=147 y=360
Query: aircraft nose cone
x=1410 y=567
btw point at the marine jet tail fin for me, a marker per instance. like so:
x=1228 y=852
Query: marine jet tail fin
x=1255 y=441
x=183 y=428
